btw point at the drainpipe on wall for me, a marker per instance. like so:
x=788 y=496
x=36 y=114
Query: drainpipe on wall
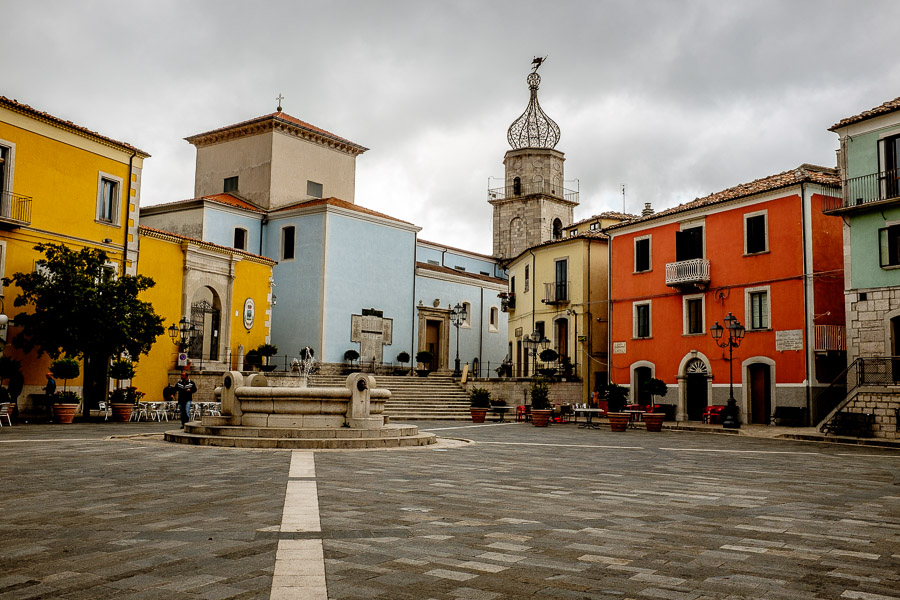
x=481 y=329
x=806 y=320
x=127 y=207
x=412 y=330
x=533 y=285
x=609 y=336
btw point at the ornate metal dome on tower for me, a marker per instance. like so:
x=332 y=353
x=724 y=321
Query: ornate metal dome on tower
x=534 y=129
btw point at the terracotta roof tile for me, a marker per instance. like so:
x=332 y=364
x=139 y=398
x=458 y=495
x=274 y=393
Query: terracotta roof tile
x=805 y=173
x=337 y=202
x=17 y=106
x=888 y=107
x=487 y=256
x=604 y=215
x=223 y=198
x=449 y=271
x=282 y=117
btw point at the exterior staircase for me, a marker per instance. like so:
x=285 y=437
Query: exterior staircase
x=433 y=398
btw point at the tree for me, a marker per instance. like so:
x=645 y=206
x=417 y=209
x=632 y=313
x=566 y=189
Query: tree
x=80 y=308
x=656 y=387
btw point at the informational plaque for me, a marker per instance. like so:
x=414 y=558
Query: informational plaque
x=789 y=339
x=618 y=347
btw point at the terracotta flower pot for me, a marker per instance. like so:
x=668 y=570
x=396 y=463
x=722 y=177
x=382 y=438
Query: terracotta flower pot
x=654 y=421
x=478 y=414
x=64 y=413
x=541 y=418
x=619 y=421
x=121 y=413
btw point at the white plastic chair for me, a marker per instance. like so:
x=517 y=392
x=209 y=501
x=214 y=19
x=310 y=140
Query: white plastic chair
x=159 y=411
x=4 y=413
x=105 y=409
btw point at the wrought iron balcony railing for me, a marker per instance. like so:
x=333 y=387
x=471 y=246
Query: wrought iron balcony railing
x=556 y=292
x=688 y=272
x=535 y=187
x=507 y=302
x=15 y=209
x=859 y=191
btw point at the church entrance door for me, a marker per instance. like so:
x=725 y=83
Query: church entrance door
x=433 y=343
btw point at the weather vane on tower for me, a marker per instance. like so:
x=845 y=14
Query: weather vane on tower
x=537 y=62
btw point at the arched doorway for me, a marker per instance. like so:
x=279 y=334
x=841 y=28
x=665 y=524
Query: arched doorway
x=206 y=317
x=641 y=376
x=557 y=229
x=696 y=392
x=760 y=376
x=562 y=337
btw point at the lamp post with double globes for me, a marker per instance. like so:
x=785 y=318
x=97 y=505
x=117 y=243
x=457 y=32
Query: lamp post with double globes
x=532 y=343
x=730 y=417
x=182 y=334
x=458 y=316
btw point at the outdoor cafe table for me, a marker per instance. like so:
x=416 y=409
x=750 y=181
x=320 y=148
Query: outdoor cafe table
x=588 y=417
x=501 y=410
x=635 y=415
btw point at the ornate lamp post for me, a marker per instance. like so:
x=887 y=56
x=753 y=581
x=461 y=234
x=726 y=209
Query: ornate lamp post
x=182 y=334
x=532 y=343
x=730 y=418
x=458 y=316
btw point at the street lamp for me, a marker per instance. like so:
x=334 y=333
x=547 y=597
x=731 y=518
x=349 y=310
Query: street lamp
x=532 y=343
x=182 y=334
x=730 y=419
x=458 y=316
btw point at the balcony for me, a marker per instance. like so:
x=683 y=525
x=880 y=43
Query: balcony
x=692 y=273
x=867 y=189
x=507 y=301
x=556 y=292
x=15 y=210
x=528 y=189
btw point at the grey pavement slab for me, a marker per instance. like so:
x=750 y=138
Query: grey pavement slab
x=521 y=512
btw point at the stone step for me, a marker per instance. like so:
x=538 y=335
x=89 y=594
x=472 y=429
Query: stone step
x=293 y=443
x=310 y=433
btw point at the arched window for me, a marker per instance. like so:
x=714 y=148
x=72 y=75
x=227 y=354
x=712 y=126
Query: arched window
x=517 y=187
x=557 y=229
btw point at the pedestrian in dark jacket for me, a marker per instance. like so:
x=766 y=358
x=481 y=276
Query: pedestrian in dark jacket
x=185 y=388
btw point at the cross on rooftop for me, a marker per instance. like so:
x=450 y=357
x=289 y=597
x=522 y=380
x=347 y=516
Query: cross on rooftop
x=279 y=98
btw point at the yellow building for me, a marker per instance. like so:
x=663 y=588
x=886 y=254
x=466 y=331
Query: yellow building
x=557 y=293
x=61 y=183
x=234 y=286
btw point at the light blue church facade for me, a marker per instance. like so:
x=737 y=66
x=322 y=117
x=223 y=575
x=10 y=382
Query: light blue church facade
x=347 y=277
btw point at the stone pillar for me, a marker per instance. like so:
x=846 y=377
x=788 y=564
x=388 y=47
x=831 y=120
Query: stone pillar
x=358 y=409
x=230 y=382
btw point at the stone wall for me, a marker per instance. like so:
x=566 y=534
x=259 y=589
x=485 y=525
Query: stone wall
x=515 y=390
x=868 y=328
x=884 y=404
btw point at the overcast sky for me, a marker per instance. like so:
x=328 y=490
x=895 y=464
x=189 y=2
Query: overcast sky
x=674 y=99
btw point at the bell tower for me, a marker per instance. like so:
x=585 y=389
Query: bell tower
x=533 y=206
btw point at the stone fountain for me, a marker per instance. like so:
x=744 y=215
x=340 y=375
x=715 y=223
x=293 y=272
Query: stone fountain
x=258 y=415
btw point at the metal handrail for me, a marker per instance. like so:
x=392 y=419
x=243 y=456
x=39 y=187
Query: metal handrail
x=865 y=370
x=15 y=207
x=858 y=191
x=533 y=187
x=687 y=271
x=556 y=291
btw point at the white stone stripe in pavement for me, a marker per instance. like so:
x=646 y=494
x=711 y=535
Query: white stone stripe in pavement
x=300 y=564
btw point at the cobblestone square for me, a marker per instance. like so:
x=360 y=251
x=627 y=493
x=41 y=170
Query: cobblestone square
x=519 y=512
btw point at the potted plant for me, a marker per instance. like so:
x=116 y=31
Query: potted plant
x=541 y=409
x=66 y=403
x=253 y=360
x=653 y=420
x=479 y=403
x=11 y=370
x=266 y=351
x=423 y=357
x=548 y=356
x=616 y=395
x=350 y=356
x=119 y=404
x=403 y=358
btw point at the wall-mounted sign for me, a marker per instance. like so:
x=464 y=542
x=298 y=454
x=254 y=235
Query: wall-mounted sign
x=582 y=338
x=249 y=313
x=789 y=339
x=618 y=347
x=518 y=332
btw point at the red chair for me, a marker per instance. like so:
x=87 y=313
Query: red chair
x=603 y=405
x=712 y=414
x=520 y=413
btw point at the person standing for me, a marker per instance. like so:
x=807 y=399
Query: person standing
x=185 y=388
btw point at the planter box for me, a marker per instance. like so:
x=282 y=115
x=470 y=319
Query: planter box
x=619 y=421
x=478 y=414
x=541 y=418
x=653 y=421
x=64 y=413
x=121 y=412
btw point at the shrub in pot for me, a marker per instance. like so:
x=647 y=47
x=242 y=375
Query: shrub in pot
x=479 y=403
x=424 y=357
x=541 y=408
x=266 y=351
x=350 y=356
x=403 y=358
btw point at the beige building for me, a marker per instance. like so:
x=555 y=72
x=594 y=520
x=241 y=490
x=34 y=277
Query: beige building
x=558 y=291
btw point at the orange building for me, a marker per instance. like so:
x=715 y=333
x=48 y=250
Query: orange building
x=762 y=251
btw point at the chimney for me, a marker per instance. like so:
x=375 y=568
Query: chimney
x=647 y=210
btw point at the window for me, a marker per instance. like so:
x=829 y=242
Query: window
x=527 y=277
x=758 y=308
x=108 y=198
x=433 y=262
x=642 y=254
x=2 y=264
x=517 y=186
x=240 y=238
x=562 y=280
x=595 y=226
x=512 y=285
x=539 y=327
x=459 y=268
x=693 y=315
x=468 y=308
x=889 y=246
x=495 y=318
x=573 y=233
x=557 y=229
x=641 y=319
x=890 y=165
x=313 y=189
x=7 y=164
x=230 y=185
x=689 y=244
x=287 y=242
x=755 y=233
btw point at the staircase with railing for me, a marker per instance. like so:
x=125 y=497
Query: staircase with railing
x=868 y=371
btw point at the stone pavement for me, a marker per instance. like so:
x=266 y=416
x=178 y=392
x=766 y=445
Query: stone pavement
x=520 y=512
